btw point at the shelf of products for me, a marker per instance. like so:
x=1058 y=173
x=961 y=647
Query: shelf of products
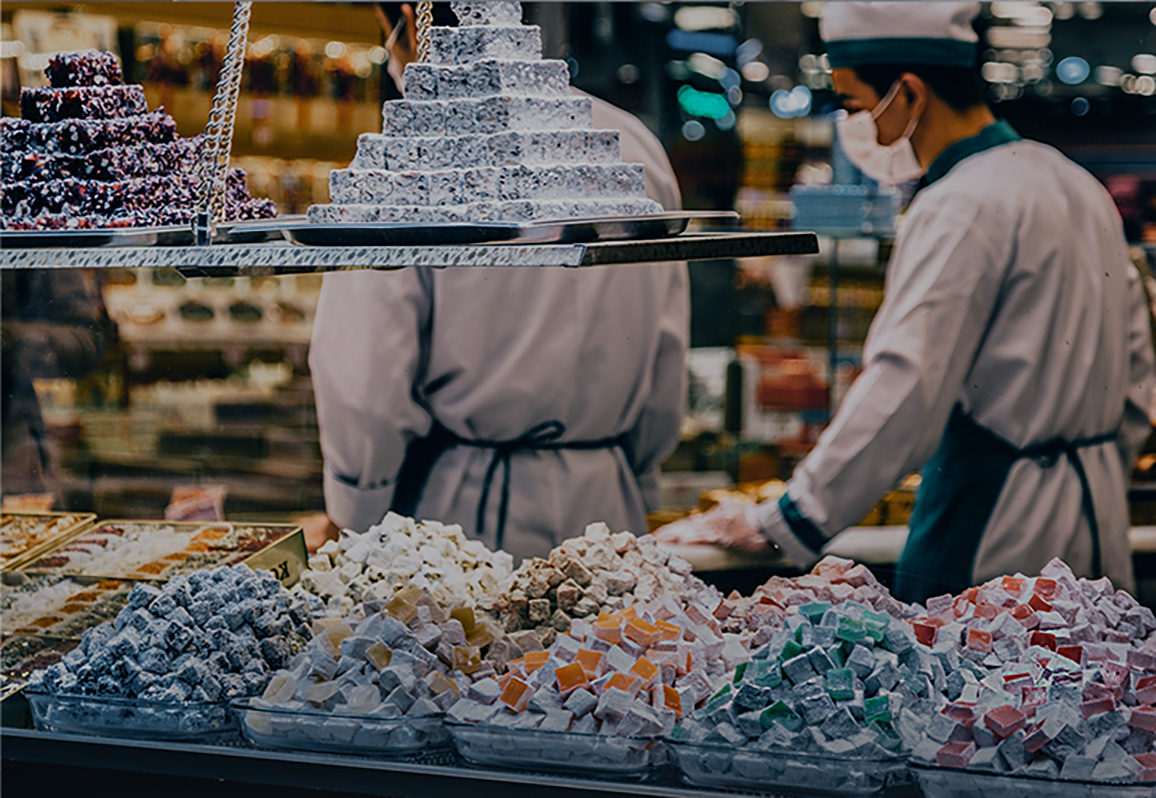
x=262 y=259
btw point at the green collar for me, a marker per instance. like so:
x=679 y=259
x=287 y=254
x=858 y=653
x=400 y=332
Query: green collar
x=993 y=135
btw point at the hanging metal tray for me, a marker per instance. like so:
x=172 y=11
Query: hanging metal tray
x=568 y=231
x=177 y=235
x=169 y=236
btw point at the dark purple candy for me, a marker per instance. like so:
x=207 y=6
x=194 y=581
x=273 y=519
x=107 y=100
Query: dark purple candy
x=88 y=68
x=50 y=104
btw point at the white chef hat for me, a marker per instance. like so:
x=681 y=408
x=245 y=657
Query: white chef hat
x=899 y=33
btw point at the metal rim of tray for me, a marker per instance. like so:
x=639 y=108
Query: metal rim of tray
x=561 y=231
x=175 y=235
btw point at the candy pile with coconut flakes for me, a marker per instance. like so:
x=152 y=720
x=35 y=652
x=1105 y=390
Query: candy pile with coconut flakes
x=401 y=553
x=595 y=573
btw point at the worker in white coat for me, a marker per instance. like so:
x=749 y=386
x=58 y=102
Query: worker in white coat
x=519 y=403
x=1011 y=358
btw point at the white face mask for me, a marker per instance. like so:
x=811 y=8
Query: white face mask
x=859 y=138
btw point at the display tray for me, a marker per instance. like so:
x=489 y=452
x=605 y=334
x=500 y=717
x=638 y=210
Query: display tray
x=20 y=655
x=175 y=235
x=130 y=718
x=787 y=772
x=935 y=782
x=178 y=547
x=264 y=725
x=569 y=231
x=590 y=755
x=25 y=535
x=58 y=606
x=168 y=236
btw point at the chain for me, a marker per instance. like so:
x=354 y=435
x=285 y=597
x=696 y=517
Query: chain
x=213 y=166
x=424 y=23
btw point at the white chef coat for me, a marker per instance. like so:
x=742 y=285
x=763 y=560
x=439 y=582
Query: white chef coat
x=1011 y=295
x=489 y=353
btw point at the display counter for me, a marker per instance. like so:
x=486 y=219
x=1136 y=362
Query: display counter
x=38 y=753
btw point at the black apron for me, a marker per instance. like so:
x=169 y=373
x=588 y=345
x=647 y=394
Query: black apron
x=960 y=487
x=422 y=454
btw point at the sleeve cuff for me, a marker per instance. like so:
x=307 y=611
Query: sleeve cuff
x=353 y=507
x=783 y=524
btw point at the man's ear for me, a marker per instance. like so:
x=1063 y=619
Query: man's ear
x=915 y=90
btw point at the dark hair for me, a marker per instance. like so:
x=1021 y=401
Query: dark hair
x=960 y=87
x=442 y=14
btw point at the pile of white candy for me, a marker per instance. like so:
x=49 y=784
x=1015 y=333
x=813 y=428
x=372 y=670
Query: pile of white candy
x=399 y=553
x=598 y=572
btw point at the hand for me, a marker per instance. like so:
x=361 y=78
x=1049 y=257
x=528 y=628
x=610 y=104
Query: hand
x=401 y=45
x=738 y=528
x=318 y=530
x=731 y=524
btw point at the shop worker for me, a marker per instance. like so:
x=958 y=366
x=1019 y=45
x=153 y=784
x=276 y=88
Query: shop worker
x=520 y=403
x=1011 y=359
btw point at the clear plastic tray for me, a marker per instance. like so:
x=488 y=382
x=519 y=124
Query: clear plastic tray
x=590 y=755
x=268 y=726
x=956 y=783
x=778 y=771
x=128 y=717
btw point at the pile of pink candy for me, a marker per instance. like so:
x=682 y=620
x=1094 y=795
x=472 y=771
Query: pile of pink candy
x=1051 y=676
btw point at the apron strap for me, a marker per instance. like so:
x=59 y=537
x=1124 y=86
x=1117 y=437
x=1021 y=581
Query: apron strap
x=961 y=485
x=423 y=453
x=1048 y=453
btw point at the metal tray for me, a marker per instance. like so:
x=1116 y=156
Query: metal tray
x=266 y=725
x=286 y=557
x=782 y=772
x=597 y=756
x=936 y=782
x=20 y=655
x=82 y=521
x=133 y=718
x=177 y=235
x=83 y=603
x=568 y=231
x=168 y=236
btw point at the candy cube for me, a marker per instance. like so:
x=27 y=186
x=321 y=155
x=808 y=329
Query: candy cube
x=877 y=709
x=1097 y=705
x=783 y=715
x=535 y=659
x=1043 y=640
x=1143 y=718
x=850 y=630
x=590 y=662
x=645 y=670
x=979 y=640
x=642 y=632
x=1074 y=653
x=1145 y=690
x=955 y=755
x=1037 y=603
x=626 y=682
x=570 y=677
x=1147 y=770
x=669 y=700
x=839 y=684
x=608 y=630
x=467 y=659
x=516 y=695
x=1004 y=720
x=924 y=633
